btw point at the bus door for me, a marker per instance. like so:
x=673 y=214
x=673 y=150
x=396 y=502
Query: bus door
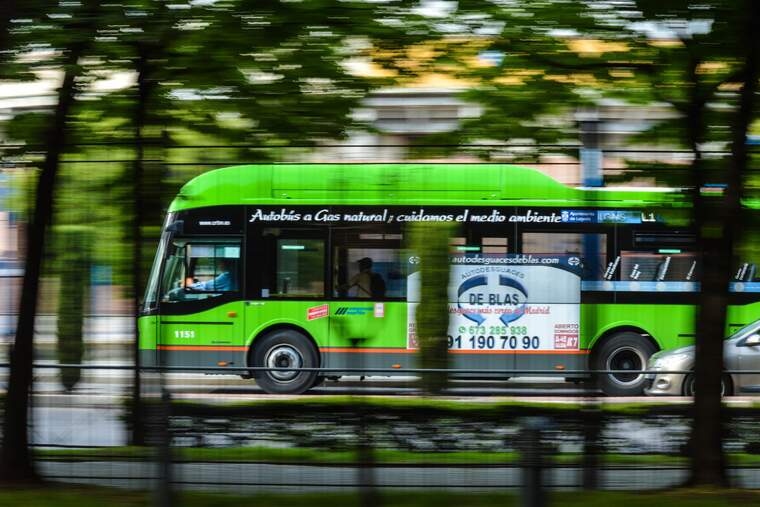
x=201 y=312
x=368 y=311
x=287 y=276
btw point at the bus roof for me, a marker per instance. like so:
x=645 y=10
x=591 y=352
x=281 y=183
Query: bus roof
x=403 y=184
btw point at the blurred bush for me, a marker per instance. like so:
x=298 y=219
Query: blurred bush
x=73 y=245
x=430 y=241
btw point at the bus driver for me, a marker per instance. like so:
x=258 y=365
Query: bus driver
x=223 y=282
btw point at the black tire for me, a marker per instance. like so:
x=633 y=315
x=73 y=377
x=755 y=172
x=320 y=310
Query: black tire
x=623 y=351
x=688 y=388
x=281 y=349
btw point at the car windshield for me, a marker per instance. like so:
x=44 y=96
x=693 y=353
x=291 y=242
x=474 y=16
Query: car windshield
x=746 y=330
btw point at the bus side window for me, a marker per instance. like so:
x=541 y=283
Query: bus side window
x=745 y=272
x=293 y=267
x=487 y=245
x=658 y=266
x=369 y=265
x=570 y=243
x=745 y=259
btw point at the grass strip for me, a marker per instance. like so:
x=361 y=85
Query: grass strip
x=447 y=406
x=59 y=496
x=348 y=458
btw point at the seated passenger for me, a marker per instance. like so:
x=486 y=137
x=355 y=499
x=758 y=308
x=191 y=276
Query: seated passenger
x=368 y=283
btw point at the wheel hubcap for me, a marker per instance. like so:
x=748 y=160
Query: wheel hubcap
x=283 y=356
x=626 y=358
x=691 y=387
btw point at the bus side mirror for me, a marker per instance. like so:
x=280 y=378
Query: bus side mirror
x=177 y=226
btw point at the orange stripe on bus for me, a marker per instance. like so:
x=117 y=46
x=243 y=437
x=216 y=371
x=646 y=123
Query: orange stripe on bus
x=367 y=350
x=377 y=350
x=575 y=352
x=413 y=351
x=199 y=347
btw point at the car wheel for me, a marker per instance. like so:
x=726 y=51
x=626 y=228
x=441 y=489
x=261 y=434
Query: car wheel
x=689 y=385
x=624 y=351
x=284 y=349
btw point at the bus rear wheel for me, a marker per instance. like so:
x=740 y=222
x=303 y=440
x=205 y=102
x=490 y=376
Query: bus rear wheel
x=284 y=348
x=623 y=352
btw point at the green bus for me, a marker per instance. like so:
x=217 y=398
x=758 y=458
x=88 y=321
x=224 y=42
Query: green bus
x=309 y=266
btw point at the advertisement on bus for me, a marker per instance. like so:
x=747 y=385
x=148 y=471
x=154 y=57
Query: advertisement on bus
x=519 y=303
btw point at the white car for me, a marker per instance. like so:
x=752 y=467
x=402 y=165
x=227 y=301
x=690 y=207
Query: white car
x=741 y=351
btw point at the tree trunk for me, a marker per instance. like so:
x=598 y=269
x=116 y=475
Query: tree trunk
x=138 y=219
x=708 y=461
x=7 y=8
x=719 y=225
x=16 y=463
x=706 y=442
x=707 y=466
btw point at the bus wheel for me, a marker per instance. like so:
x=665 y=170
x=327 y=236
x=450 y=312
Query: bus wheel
x=284 y=348
x=624 y=351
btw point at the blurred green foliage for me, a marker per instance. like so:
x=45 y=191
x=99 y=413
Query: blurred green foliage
x=73 y=266
x=268 y=80
x=430 y=241
x=260 y=80
x=532 y=66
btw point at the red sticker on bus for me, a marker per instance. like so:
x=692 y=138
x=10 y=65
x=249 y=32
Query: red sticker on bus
x=317 y=312
x=566 y=336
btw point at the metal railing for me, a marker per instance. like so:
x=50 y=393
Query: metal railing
x=357 y=443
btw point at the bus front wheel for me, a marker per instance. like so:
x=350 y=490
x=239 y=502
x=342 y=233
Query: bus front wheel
x=624 y=352
x=284 y=348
